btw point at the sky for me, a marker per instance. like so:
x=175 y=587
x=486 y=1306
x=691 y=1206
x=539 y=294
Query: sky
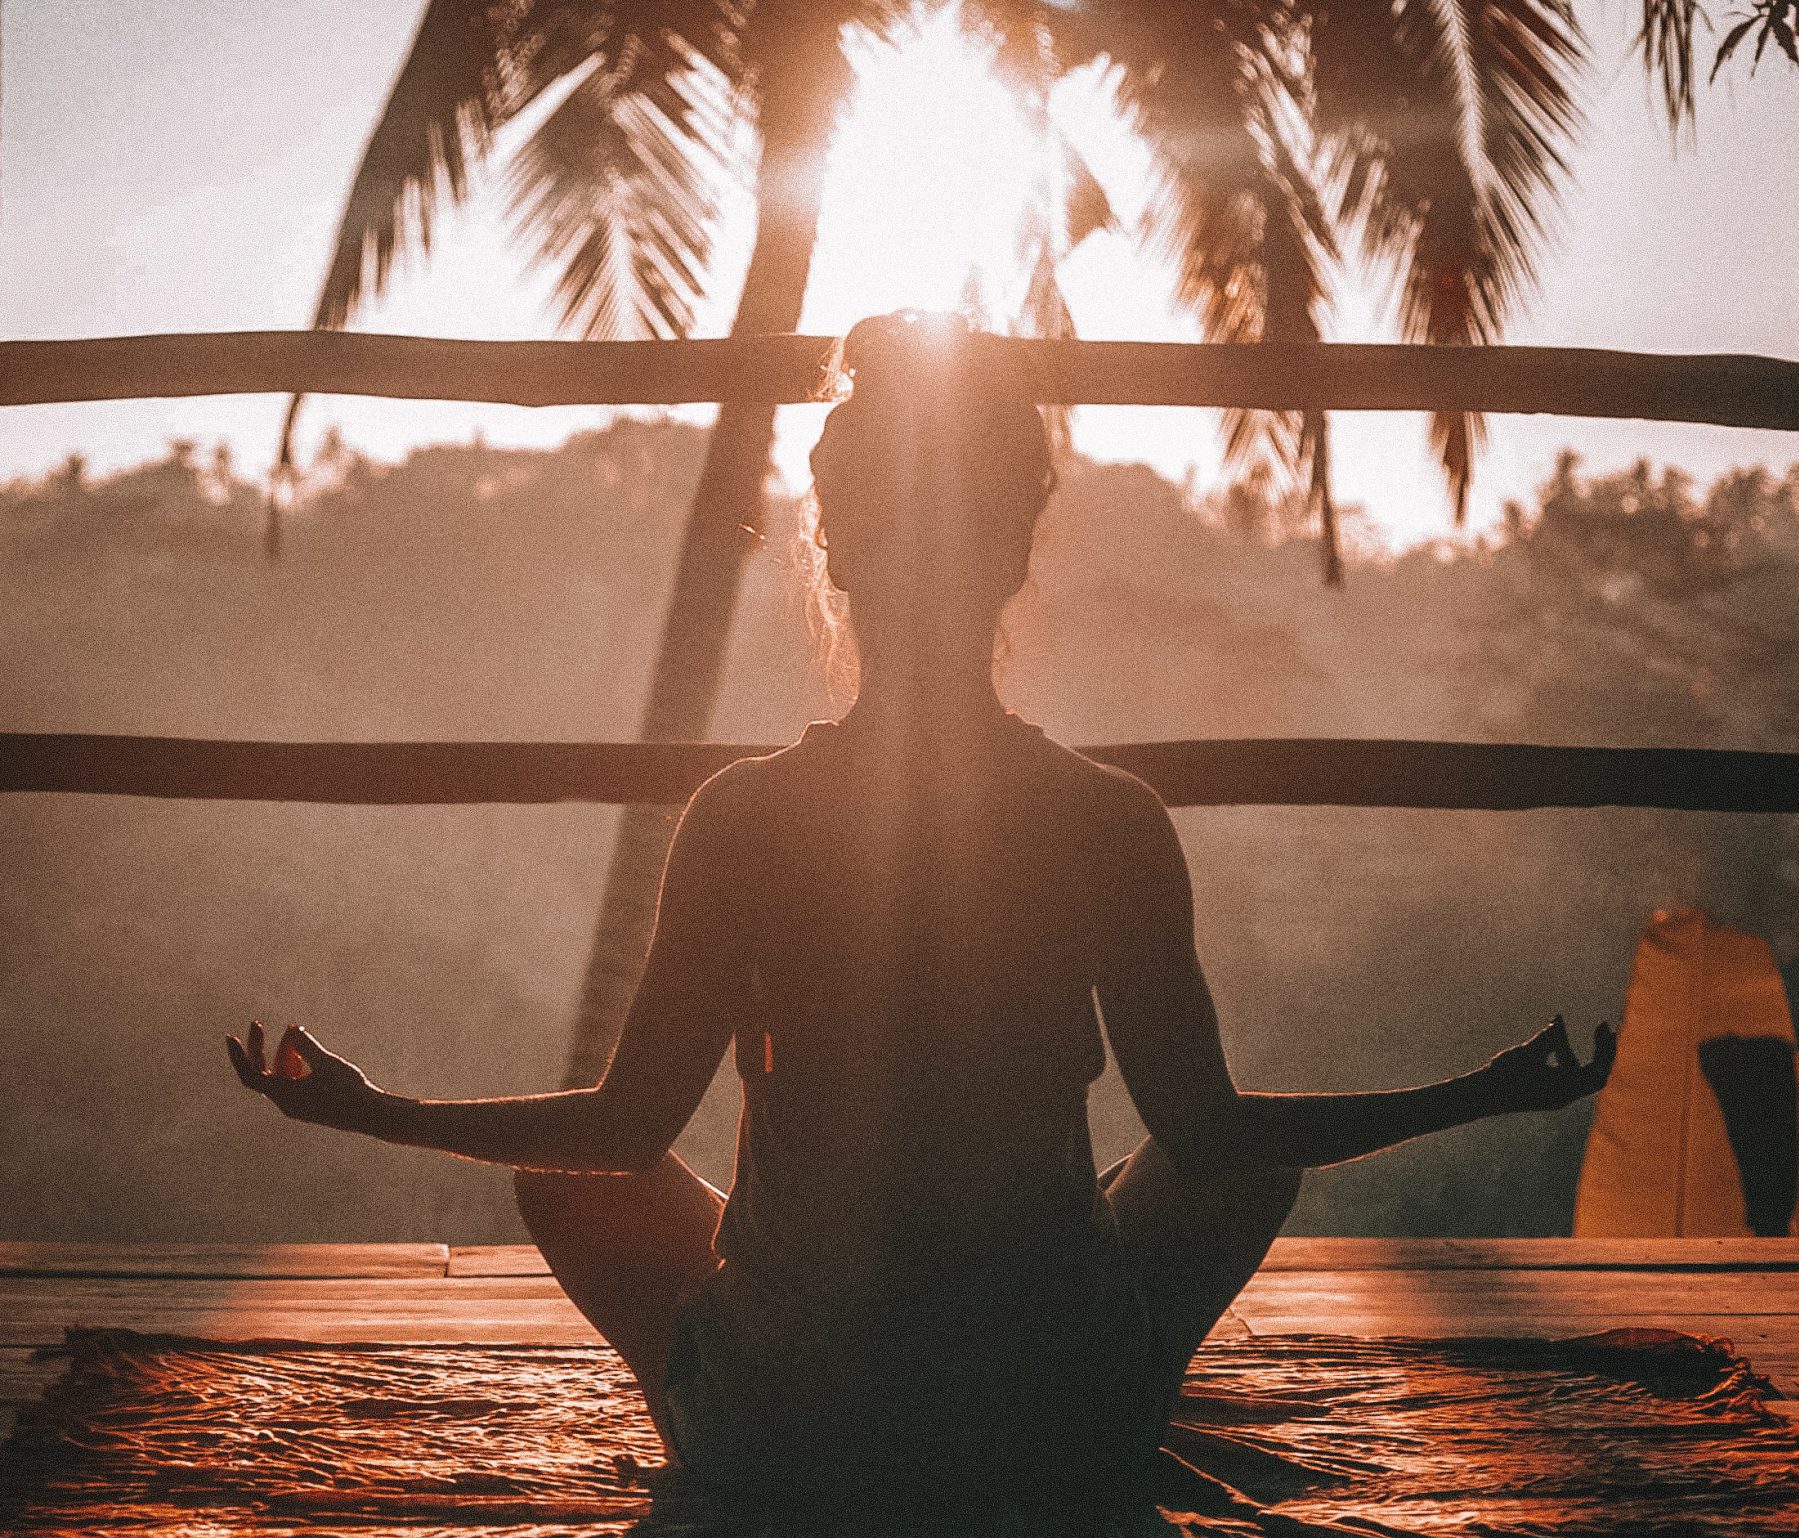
x=179 y=165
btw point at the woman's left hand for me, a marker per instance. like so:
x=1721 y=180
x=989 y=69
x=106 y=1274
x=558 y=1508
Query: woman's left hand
x=305 y=1082
x=1543 y=1074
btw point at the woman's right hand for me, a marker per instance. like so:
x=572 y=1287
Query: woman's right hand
x=306 y=1082
x=1543 y=1074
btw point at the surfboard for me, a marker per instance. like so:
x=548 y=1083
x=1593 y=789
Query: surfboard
x=1707 y=1038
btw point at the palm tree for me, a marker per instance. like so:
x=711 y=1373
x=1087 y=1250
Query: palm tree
x=1432 y=132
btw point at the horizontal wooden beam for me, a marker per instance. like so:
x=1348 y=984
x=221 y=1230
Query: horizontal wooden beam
x=1729 y=390
x=1245 y=772
x=20 y=1257
x=1292 y=1252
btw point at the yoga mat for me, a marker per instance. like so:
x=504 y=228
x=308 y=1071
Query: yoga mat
x=1633 y=1433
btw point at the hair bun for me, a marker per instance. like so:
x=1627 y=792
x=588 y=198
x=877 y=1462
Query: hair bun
x=908 y=347
x=930 y=396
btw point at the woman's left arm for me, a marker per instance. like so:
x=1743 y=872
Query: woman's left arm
x=1164 y=1033
x=1315 y=1130
x=681 y=1020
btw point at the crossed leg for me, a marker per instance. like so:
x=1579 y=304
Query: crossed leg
x=627 y=1249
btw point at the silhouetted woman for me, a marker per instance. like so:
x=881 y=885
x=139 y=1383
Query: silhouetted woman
x=908 y=928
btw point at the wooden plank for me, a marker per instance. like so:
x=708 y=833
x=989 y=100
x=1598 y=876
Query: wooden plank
x=1766 y=1330
x=32 y=1258
x=1737 y=391
x=1621 y=1293
x=1289 y=1254
x=1275 y=1318
x=532 y=1309
x=1318 y=1254
x=35 y=1310
x=1230 y=1326
x=496 y=1260
x=1296 y=771
x=1758 y=1311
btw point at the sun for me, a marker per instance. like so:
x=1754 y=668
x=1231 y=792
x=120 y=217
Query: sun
x=932 y=172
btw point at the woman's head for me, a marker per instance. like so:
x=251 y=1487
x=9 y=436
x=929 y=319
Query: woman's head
x=930 y=477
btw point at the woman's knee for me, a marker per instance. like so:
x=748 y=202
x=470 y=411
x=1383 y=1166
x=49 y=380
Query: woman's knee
x=550 y=1202
x=533 y=1190
x=668 y=1210
x=1153 y=1197
x=1278 y=1189
x=1262 y=1186
x=1259 y=1197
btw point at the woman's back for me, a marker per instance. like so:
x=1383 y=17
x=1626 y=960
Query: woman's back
x=915 y=1194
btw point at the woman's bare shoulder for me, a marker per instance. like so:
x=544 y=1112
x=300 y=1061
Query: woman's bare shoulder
x=747 y=788
x=1114 y=793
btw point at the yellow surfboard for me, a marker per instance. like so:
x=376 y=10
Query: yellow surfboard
x=1706 y=1031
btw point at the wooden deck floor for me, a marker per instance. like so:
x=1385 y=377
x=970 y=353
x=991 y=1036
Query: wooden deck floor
x=1745 y=1290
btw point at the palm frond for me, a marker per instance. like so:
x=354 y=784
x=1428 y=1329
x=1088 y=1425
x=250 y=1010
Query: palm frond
x=1068 y=203
x=1777 y=21
x=474 y=65
x=1087 y=208
x=446 y=103
x=1665 y=40
x=1045 y=313
x=619 y=186
x=1446 y=124
x=1235 y=208
x=1019 y=34
x=449 y=98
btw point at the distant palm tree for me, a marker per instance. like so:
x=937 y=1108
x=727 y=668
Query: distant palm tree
x=1433 y=132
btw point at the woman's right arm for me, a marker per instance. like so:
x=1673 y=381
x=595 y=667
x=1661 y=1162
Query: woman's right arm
x=681 y=1020
x=1163 y=1027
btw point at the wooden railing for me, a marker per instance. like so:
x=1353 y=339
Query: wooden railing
x=1733 y=391
x=1245 y=772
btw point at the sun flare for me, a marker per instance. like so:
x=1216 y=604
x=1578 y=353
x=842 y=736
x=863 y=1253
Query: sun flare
x=932 y=174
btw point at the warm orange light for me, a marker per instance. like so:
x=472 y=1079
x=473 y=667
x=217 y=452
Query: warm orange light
x=932 y=172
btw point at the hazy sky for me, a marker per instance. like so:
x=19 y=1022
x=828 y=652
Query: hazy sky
x=171 y=165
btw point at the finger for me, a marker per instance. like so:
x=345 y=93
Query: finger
x=1561 y=1049
x=293 y=1059
x=240 y=1063
x=1605 y=1050
x=254 y=1048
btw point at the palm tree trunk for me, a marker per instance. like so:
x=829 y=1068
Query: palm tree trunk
x=723 y=527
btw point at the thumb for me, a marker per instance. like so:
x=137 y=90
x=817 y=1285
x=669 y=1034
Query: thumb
x=1561 y=1049
x=1605 y=1051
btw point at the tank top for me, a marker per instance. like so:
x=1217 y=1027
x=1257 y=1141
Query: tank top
x=920 y=1275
